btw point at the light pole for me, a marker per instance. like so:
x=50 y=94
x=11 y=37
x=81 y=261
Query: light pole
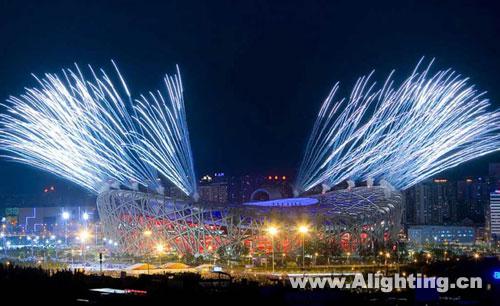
x=160 y=248
x=303 y=230
x=147 y=233
x=84 y=236
x=210 y=249
x=272 y=231
x=387 y=256
x=96 y=241
x=66 y=216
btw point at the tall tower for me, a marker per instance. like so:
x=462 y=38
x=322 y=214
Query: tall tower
x=495 y=215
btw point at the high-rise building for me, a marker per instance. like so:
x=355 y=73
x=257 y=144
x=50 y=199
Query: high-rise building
x=280 y=183
x=242 y=187
x=431 y=202
x=494 y=215
x=410 y=207
x=494 y=176
x=472 y=199
x=494 y=170
x=444 y=201
x=214 y=188
x=175 y=192
x=221 y=188
x=435 y=234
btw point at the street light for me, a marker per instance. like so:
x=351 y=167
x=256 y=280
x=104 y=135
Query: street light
x=85 y=216
x=160 y=248
x=272 y=231
x=303 y=230
x=84 y=235
x=147 y=233
x=476 y=256
x=429 y=256
x=387 y=256
x=65 y=216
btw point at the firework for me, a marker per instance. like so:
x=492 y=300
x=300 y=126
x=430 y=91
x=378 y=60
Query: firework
x=89 y=132
x=164 y=144
x=400 y=134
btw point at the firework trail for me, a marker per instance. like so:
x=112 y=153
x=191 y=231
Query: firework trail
x=165 y=145
x=400 y=134
x=88 y=132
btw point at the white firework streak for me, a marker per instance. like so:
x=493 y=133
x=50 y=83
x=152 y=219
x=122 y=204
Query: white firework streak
x=164 y=143
x=81 y=130
x=402 y=135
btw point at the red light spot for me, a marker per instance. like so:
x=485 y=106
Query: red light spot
x=45 y=190
x=269 y=177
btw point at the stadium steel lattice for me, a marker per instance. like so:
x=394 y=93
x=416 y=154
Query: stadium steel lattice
x=361 y=216
x=95 y=135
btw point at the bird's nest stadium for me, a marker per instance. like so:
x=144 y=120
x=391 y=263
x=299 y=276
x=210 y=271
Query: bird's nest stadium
x=96 y=135
x=352 y=219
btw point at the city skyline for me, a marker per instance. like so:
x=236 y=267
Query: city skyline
x=273 y=152
x=474 y=168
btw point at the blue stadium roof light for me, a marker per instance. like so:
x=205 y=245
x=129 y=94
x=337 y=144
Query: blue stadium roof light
x=286 y=202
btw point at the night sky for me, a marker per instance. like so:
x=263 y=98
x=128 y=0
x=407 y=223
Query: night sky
x=254 y=72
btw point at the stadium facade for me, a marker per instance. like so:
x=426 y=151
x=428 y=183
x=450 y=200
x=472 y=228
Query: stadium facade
x=353 y=220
